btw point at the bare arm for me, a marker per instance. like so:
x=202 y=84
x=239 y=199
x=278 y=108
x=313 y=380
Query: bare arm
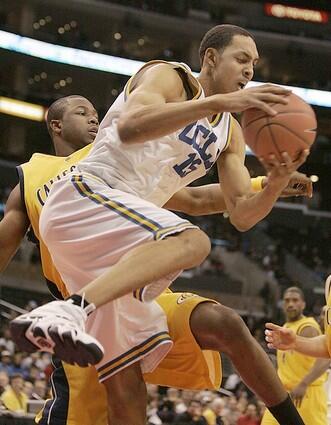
x=285 y=339
x=209 y=199
x=318 y=368
x=158 y=106
x=13 y=227
x=246 y=208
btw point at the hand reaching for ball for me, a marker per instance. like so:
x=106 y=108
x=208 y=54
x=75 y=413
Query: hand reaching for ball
x=280 y=173
x=283 y=173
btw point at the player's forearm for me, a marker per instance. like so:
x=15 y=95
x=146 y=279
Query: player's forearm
x=320 y=366
x=314 y=347
x=154 y=121
x=4 y=260
x=207 y=199
x=8 y=250
x=13 y=228
x=202 y=200
x=253 y=208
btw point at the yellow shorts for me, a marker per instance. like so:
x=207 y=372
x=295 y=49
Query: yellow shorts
x=81 y=399
x=78 y=398
x=186 y=365
x=313 y=409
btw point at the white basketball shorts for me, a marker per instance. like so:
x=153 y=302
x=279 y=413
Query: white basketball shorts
x=87 y=227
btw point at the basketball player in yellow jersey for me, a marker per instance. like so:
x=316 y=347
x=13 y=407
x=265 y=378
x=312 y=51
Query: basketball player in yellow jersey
x=319 y=346
x=302 y=376
x=194 y=322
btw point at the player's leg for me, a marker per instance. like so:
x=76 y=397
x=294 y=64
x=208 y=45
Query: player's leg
x=220 y=328
x=72 y=388
x=147 y=265
x=139 y=233
x=127 y=397
x=217 y=327
x=119 y=242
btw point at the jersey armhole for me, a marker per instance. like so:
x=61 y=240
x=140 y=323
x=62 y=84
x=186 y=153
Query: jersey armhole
x=191 y=86
x=53 y=289
x=306 y=325
x=21 y=183
x=230 y=127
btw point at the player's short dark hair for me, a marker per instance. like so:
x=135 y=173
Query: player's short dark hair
x=220 y=37
x=56 y=110
x=295 y=289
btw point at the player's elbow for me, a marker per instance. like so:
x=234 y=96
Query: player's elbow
x=127 y=130
x=124 y=130
x=242 y=224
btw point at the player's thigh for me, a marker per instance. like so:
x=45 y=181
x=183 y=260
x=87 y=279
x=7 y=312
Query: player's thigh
x=186 y=365
x=98 y=226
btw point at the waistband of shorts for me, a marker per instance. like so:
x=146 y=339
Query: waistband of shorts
x=90 y=176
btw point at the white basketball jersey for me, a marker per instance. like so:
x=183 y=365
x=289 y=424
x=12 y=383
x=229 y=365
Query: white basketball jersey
x=157 y=169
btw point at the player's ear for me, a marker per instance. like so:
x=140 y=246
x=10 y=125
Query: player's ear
x=56 y=126
x=210 y=57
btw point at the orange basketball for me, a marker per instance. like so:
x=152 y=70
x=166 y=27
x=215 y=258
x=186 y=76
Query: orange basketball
x=292 y=129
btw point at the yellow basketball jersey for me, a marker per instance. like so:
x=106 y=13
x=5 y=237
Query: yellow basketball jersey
x=293 y=366
x=36 y=179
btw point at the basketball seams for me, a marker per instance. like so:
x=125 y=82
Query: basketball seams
x=258 y=136
x=292 y=129
x=292 y=132
x=269 y=125
x=278 y=113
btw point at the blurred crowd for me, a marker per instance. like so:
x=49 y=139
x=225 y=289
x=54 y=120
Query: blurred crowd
x=25 y=377
x=172 y=406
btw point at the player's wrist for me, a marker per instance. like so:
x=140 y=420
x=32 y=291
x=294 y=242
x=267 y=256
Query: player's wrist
x=278 y=183
x=258 y=183
x=304 y=384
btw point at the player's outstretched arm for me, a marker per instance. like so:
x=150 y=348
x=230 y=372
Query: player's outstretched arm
x=209 y=199
x=246 y=208
x=158 y=104
x=299 y=185
x=13 y=227
x=285 y=339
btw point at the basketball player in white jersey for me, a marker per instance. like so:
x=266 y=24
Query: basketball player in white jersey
x=104 y=224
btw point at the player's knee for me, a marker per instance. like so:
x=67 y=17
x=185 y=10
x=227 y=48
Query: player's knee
x=196 y=245
x=219 y=328
x=232 y=327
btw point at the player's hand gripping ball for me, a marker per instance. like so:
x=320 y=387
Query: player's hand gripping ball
x=292 y=130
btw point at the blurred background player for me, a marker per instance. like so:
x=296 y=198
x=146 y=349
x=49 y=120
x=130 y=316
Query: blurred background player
x=303 y=376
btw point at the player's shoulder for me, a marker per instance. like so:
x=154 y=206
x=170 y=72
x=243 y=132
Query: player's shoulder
x=160 y=71
x=41 y=157
x=38 y=159
x=308 y=325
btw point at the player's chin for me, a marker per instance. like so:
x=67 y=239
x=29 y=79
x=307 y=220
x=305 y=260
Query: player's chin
x=90 y=137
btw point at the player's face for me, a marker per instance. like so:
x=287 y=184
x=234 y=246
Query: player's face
x=293 y=306
x=235 y=67
x=80 y=122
